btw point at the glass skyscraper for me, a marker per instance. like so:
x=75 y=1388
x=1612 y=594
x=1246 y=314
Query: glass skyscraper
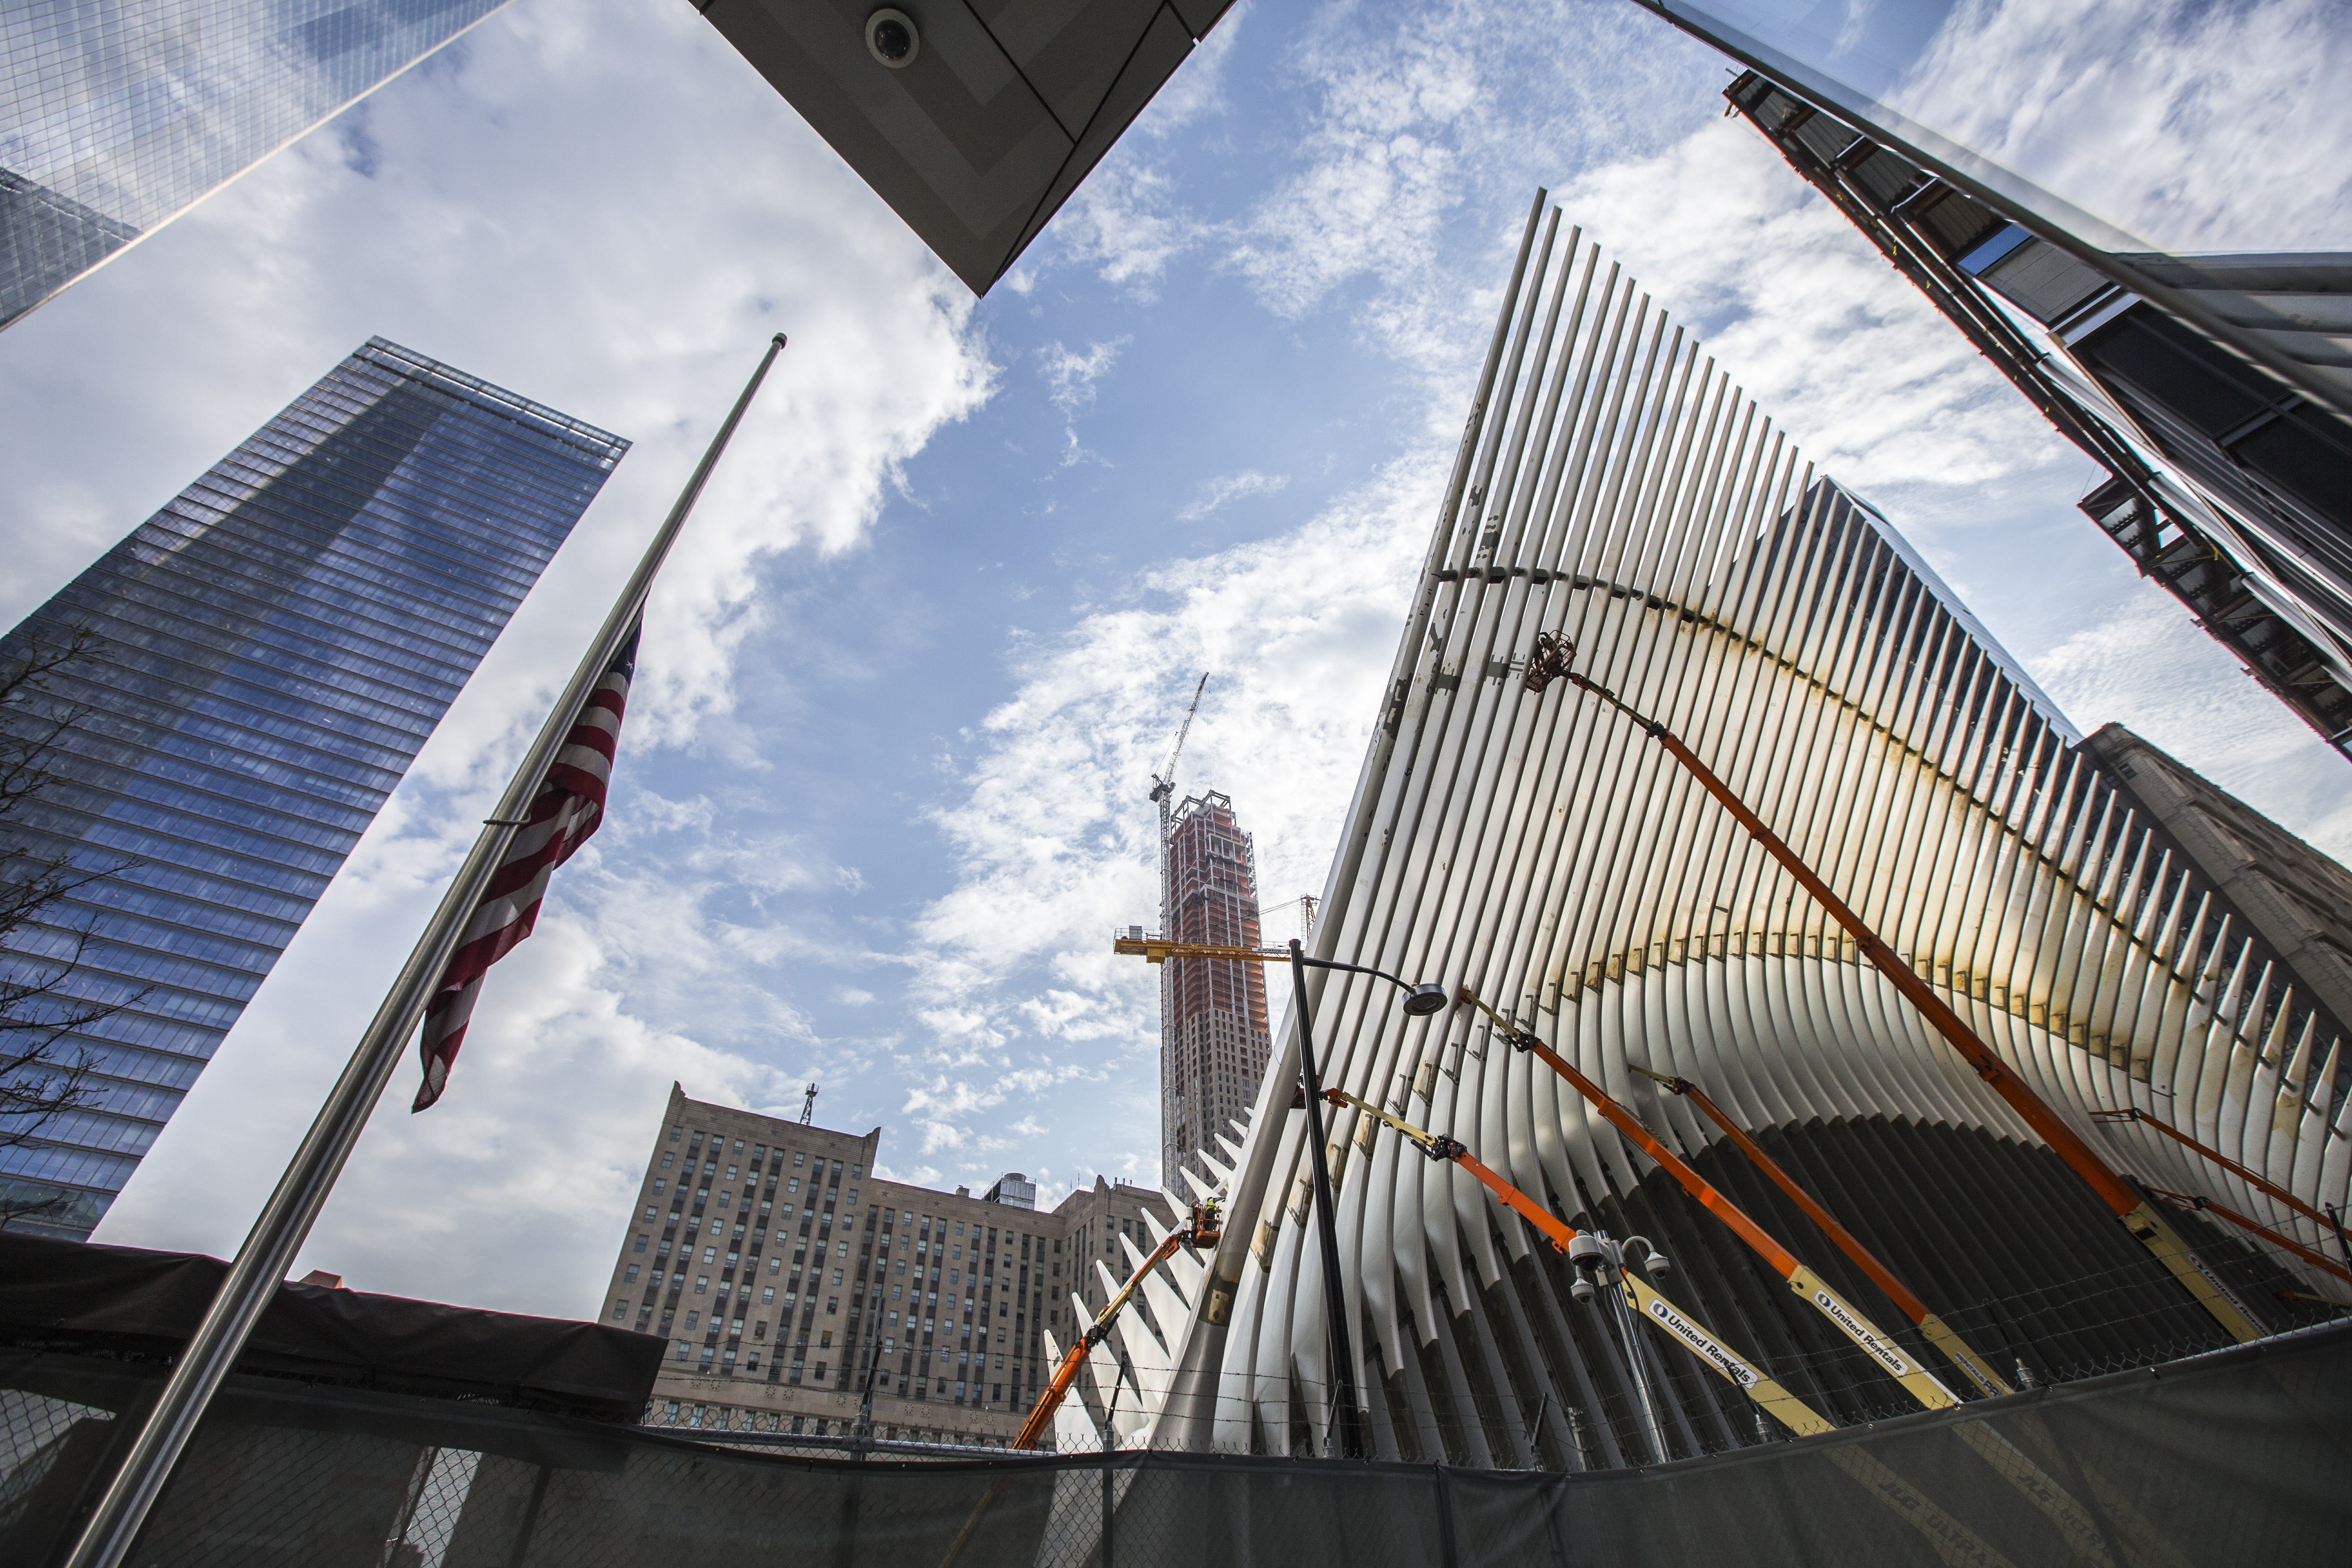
x=118 y=115
x=2193 y=155
x=270 y=650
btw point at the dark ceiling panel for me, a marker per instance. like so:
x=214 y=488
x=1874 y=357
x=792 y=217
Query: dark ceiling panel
x=1153 y=61
x=1004 y=109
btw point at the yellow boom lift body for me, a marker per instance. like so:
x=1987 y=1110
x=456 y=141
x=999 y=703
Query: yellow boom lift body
x=1550 y=661
x=1808 y=1287
x=1668 y=1319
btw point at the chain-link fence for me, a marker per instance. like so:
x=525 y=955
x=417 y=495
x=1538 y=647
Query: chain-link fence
x=2236 y=1456
x=1534 y=1378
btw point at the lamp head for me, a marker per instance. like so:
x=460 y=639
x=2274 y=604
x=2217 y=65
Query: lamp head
x=1422 y=1000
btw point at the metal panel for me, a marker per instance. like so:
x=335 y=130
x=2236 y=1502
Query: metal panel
x=1616 y=486
x=1005 y=107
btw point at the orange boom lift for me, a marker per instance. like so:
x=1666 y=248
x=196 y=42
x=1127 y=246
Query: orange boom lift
x=1550 y=661
x=1808 y=1287
x=1669 y=1320
x=1198 y=1230
x=1940 y=1333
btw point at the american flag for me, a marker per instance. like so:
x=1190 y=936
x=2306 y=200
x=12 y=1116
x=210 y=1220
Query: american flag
x=567 y=809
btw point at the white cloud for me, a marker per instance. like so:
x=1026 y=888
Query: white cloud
x=486 y=232
x=1126 y=224
x=1071 y=375
x=2190 y=126
x=1832 y=343
x=2146 y=668
x=1228 y=487
x=1051 y=834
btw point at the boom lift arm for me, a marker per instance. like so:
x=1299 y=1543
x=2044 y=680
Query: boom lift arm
x=1670 y=1319
x=1809 y=1286
x=1940 y=1333
x=1198 y=1230
x=2258 y=1181
x=1815 y=1292
x=1550 y=661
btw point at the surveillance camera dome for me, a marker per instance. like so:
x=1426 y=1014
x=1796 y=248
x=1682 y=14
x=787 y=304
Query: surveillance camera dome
x=1657 y=1267
x=1581 y=1288
x=891 y=38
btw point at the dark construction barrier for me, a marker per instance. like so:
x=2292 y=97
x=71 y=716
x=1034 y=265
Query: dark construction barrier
x=2243 y=1455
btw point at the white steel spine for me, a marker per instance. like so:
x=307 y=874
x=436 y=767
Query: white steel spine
x=1614 y=485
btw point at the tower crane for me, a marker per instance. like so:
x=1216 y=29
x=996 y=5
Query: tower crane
x=1163 y=787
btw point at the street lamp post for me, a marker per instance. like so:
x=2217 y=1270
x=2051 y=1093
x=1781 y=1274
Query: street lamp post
x=1420 y=1001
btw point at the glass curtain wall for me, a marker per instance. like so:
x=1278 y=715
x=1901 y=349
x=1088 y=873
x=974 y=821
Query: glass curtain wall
x=117 y=115
x=2199 y=156
x=268 y=652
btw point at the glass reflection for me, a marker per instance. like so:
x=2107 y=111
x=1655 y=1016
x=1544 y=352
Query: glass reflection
x=275 y=646
x=2180 y=127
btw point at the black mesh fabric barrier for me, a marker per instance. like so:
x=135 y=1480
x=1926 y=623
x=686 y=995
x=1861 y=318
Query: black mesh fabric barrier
x=124 y=1300
x=2238 y=1456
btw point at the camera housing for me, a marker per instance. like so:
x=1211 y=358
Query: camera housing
x=892 y=38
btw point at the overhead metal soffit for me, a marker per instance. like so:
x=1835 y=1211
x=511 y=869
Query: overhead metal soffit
x=974 y=122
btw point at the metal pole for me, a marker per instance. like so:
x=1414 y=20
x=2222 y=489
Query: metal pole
x=285 y=1221
x=1344 y=1417
x=1110 y=1495
x=864 y=1427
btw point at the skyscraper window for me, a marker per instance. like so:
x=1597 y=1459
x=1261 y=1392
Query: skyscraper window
x=271 y=648
x=118 y=115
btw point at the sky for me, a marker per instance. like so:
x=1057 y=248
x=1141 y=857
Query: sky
x=881 y=794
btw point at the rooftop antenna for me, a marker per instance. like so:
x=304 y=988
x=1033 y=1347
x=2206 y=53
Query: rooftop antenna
x=808 y=1105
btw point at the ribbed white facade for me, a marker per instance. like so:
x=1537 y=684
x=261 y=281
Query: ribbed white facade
x=1616 y=486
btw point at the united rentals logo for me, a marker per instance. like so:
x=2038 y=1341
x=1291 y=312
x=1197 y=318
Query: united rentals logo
x=1859 y=1335
x=1683 y=1329
x=2214 y=1280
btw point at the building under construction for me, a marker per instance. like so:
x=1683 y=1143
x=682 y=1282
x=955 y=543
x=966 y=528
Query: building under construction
x=1723 y=905
x=1214 y=1042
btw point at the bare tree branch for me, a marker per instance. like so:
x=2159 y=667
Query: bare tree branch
x=45 y=1072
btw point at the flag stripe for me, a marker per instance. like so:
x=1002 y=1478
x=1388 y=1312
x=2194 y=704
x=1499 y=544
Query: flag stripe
x=565 y=812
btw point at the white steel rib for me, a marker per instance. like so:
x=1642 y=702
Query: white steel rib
x=1614 y=485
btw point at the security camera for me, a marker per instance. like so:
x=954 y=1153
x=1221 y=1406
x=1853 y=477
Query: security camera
x=891 y=38
x=1657 y=1267
x=1581 y=1288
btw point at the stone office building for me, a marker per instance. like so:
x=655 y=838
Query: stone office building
x=782 y=1270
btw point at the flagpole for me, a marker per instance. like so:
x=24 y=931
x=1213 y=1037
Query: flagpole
x=286 y=1220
